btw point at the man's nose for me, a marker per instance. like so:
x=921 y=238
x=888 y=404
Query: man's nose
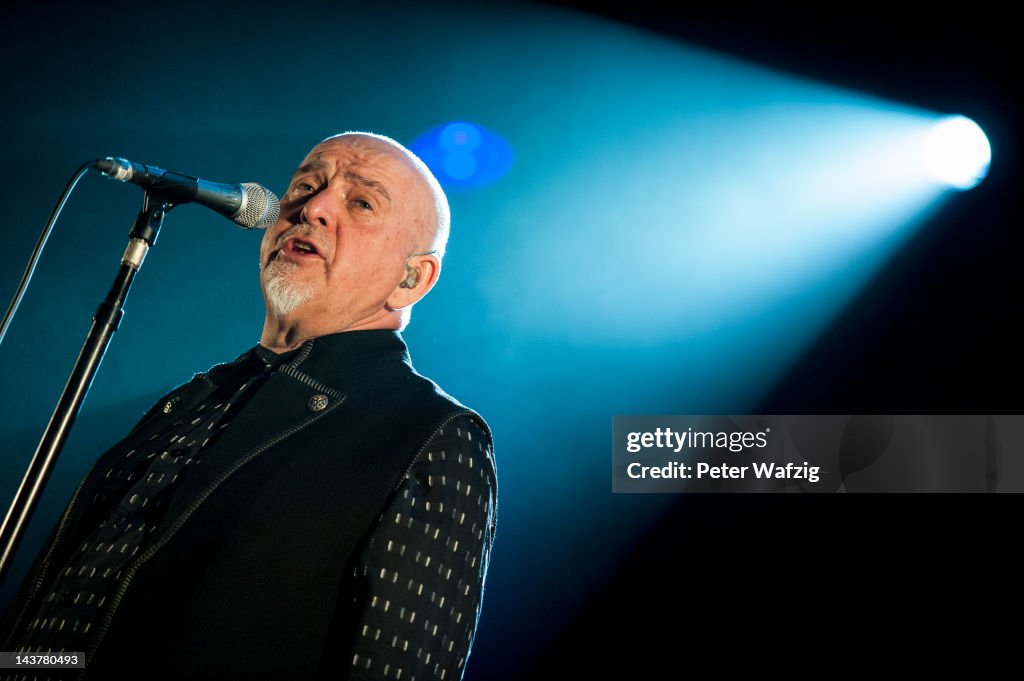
x=317 y=210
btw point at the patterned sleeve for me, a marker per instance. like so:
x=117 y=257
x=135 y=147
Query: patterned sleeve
x=418 y=580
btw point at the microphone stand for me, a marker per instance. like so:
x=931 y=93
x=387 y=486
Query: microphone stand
x=105 y=322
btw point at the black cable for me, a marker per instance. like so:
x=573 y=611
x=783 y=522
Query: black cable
x=34 y=258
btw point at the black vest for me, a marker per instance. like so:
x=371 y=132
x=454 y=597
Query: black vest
x=244 y=577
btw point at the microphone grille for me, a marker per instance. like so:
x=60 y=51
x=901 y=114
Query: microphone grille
x=260 y=207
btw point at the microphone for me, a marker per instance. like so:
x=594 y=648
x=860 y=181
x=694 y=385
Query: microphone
x=249 y=204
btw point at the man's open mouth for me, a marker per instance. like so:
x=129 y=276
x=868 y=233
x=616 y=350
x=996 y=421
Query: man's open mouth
x=298 y=248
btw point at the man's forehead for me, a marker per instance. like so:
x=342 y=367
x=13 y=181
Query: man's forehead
x=370 y=162
x=361 y=151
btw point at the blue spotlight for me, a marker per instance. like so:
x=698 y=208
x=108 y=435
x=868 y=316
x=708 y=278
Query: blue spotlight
x=957 y=153
x=464 y=154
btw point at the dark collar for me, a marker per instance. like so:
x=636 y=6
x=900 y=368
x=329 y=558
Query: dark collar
x=338 y=354
x=332 y=358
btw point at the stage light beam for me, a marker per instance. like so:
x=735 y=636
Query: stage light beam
x=957 y=152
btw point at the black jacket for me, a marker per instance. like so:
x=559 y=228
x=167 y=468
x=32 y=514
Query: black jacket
x=243 y=577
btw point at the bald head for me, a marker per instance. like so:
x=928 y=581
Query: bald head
x=432 y=235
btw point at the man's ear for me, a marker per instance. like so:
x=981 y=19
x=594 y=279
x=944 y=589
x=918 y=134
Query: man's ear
x=421 y=273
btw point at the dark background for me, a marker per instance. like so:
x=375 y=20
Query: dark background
x=784 y=582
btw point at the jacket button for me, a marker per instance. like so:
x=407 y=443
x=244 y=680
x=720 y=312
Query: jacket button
x=169 y=404
x=317 y=402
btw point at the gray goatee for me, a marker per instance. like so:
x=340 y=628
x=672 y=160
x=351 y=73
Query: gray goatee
x=284 y=294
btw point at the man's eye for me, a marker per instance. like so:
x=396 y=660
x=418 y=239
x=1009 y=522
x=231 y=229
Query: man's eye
x=363 y=204
x=304 y=186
